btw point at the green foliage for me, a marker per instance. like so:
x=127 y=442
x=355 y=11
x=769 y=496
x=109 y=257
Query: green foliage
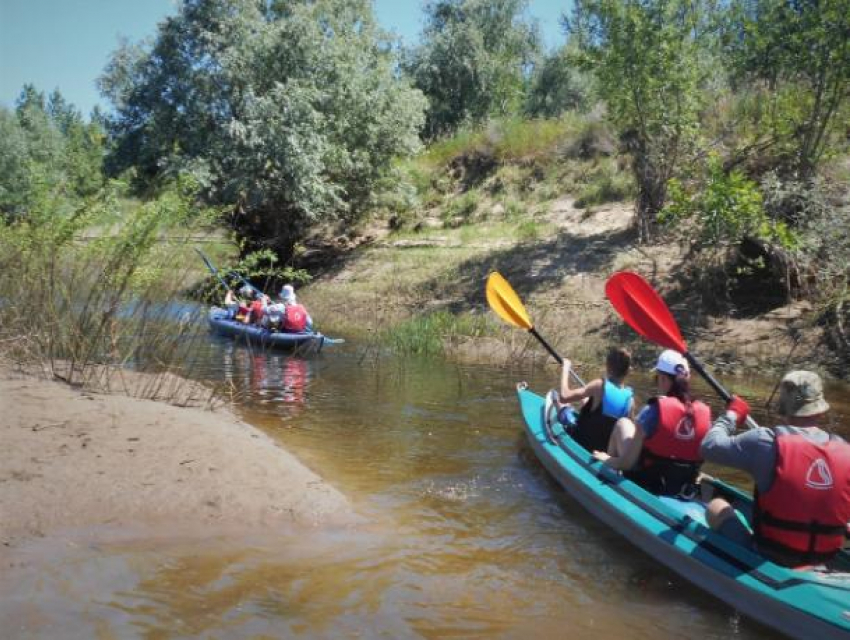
x=514 y=209
x=461 y=209
x=557 y=86
x=473 y=61
x=46 y=145
x=292 y=111
x=727 y=208
x=796 y=55
x=650 y=61
x=605 y=184
x=428 y=334
x=508 y=140
x=262 y=269
x=529 y=231
x=99 y=274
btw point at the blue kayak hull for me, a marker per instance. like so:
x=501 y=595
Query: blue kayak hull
x=222 y=325
x=801 y=604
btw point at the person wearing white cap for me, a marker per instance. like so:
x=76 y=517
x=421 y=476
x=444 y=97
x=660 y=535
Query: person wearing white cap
x=296 y=319
x=659 y=450
x=801 y=473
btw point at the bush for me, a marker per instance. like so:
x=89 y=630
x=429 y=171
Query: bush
x=102 y=280
x=726 y=207
x=461 y=209
x=606 y=184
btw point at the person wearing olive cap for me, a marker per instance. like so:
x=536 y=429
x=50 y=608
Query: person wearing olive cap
x=802 y=477
x=659 y=450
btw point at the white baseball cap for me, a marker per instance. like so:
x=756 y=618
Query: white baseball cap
x=672 y=363
x=288 y=293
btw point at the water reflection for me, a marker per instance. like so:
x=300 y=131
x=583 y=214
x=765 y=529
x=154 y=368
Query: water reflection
x=267 y=377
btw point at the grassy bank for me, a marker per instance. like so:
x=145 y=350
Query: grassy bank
x=549 y=205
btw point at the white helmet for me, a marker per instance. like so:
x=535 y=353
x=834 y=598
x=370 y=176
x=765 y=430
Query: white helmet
x=287 y=294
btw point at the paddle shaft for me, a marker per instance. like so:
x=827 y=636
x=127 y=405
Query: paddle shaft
x=554 y=354
x=212 y=269
x=245 y=282
x=714 y=384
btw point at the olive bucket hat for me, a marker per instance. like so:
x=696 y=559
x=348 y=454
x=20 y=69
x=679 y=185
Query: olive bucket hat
x=801 y=395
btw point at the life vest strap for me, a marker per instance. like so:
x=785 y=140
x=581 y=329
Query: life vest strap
x=813 y=527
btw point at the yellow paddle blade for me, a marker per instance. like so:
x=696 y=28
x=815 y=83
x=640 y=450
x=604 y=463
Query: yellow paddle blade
x=505 y=302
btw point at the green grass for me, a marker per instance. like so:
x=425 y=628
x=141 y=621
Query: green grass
x=508 y=140
x=428 y=334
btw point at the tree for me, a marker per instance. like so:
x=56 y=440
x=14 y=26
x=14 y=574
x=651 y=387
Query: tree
x=474 y=61
x=288 y=111
x=797 y=54
x=650 y=59
x=557 y=85
x=45 y=146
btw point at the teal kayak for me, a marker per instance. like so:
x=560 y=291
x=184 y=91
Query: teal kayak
x=800 y=603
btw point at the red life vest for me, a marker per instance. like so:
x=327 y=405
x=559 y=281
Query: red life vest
x=257 y=311
x=679 y=434
x=295 y=320
x=806 y=509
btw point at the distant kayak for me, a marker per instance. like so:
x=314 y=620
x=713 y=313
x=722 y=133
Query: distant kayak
x=800 y=603
x=223 y=325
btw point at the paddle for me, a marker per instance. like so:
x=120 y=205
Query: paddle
x=240 y=277
x=506 y=303
x=212 y=269
x=645 y=312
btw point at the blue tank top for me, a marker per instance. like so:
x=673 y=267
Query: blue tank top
x=615 y=401
x=594 y=426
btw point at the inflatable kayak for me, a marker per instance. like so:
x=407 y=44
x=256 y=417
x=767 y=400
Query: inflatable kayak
x=223 y=325
x=801 y=603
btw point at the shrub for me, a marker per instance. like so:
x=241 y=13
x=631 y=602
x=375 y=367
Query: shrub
x=101 y=277
x=727 y=207
x=427 y=334
x=606 y=184
x=461 y=209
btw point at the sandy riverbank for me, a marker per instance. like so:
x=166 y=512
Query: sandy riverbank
x=73 y=459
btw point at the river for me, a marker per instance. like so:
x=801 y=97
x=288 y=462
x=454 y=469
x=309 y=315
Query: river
x=467 y=535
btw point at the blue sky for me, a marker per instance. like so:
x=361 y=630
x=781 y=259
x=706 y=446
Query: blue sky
x=65 y=43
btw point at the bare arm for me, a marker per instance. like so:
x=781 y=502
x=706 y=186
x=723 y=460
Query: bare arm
x=592 y=389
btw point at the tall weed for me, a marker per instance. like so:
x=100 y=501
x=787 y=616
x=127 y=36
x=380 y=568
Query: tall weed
x=85 y=287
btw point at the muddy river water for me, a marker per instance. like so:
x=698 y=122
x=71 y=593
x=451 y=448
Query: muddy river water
x=466 y=536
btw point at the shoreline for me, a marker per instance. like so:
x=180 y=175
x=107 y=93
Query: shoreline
x=75 y=459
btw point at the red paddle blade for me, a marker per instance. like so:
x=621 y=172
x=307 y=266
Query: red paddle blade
x=644 y=310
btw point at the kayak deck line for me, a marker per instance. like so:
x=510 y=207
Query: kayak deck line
x=804 y=603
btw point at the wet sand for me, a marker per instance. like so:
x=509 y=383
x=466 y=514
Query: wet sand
x=73 y=459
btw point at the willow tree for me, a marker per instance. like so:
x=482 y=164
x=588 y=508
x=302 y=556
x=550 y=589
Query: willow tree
x=474 y=60
x=795 y=58
x=288 y=111
x=651 y=60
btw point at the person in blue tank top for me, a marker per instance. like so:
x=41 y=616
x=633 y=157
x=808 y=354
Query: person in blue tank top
x=604 y=401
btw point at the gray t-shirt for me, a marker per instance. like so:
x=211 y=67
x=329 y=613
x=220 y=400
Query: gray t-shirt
x=753 y=451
